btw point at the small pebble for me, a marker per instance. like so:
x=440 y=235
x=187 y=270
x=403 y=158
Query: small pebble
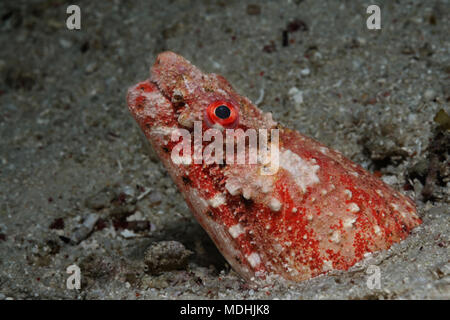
x=296 y=95
x=66 y=44
x=305 y=72
x=253 y=9
x=166 y=256
x=100 y=199
x=84 y=230
x=139 y=225
x=91 y=67
x=429 y=95
x=127 y=234
x=391 y=180
x=155 y=197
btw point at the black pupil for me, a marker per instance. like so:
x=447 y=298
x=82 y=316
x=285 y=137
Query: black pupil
x=223 y=112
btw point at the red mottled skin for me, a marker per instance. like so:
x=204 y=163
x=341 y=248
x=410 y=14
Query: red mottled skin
x=319 y=212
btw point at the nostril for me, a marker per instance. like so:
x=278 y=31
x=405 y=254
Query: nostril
x=140 y=102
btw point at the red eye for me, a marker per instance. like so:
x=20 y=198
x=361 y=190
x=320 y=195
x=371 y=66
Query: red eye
x=222 y=113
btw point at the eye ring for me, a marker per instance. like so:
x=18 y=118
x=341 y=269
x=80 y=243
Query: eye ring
x=222 y=113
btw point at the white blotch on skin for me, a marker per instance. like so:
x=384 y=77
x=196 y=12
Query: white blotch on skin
x=265 y=185
x=155 y=99
x=220 y=90
x=348 y=223
x=353 y=207
x=336 y=237
x=377 y=230
x=232 y=188
x=354 y=173
x=254 y=259
x=247 y=193
x=303 y=172
x=165 y=131
x=217 y=200
x=188 y=85
x=348 y=194
x=266 y=188
x=327 y=265
x=274 y=204
x=236 y=230
x=203 y=202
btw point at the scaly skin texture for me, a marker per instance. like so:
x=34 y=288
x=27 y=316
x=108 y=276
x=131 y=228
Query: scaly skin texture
x=319 y=212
